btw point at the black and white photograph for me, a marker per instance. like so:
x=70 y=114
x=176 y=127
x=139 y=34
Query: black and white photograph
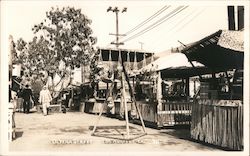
x=124 y=77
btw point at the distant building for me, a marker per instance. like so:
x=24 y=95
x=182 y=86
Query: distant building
x=133 y=59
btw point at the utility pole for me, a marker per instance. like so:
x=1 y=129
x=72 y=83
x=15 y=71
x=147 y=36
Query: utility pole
x=116 y=11
x=141 y=43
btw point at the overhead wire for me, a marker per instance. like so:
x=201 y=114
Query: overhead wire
x=184 y=25
x=146 y=21
x=153 y=24
x=173 y=27
x=157 y=23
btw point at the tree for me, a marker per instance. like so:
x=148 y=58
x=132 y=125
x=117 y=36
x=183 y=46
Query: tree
x=65 y=37
x=69 y=36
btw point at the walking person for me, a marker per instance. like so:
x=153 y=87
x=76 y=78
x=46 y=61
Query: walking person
x=37 y=85
x=27 y=96
x=45 y=99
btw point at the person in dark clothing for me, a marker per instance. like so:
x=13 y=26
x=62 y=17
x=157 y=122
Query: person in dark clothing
x=26 y=95
x=37 y=85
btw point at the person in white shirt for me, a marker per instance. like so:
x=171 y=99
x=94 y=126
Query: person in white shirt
x=45 y=99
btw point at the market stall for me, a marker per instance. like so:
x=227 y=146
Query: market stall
x=217 y=114
x=108 y=61
x=164 y=92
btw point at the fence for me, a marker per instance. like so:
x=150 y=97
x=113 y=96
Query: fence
x=218 y=122
x=172 y=113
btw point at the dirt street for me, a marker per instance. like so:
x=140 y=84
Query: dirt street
x=72 y=132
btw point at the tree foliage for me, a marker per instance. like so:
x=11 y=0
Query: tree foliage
x=65 y=35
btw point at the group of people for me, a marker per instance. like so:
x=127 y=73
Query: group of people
x=44 y=98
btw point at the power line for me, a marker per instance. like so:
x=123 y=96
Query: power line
x=150 y=26
x=148 y=19
x=175 y=25
x=157 y=23
x=191 y=19
x=185 y=24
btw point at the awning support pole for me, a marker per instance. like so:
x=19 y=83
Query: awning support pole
x=193 y=66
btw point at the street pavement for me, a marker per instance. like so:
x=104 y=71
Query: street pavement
x=72 y=132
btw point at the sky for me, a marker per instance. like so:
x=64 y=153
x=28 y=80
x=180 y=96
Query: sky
x=195 y=22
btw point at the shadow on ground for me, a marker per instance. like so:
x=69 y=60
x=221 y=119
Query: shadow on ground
x=77 y=129
x=178 y=133
x=117 y=132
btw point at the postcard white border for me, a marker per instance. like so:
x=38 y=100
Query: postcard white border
x=4 y=85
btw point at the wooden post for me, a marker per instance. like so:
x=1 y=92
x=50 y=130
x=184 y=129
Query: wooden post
x=131 y=91
x=159 y=92
x=97 y=121
x=125 y=105
x=107 y=88
x=187 y=88
x=195 y=87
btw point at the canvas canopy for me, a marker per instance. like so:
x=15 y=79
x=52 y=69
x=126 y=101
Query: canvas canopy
x=173 y=61
x=176 y=65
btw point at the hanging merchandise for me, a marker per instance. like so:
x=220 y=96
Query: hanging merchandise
x=135 y=63
x=100 y=60
x=152 y=58
x=128 y=63
x=110 y=61
x=119 y=56
x=144 y=63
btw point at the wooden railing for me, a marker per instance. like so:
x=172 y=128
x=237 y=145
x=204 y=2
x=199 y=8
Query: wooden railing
x=175 y=113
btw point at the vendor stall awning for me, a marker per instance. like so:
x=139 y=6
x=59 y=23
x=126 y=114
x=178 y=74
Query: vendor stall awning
x=222 y=50
x=176 y=65
x=176 y=60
